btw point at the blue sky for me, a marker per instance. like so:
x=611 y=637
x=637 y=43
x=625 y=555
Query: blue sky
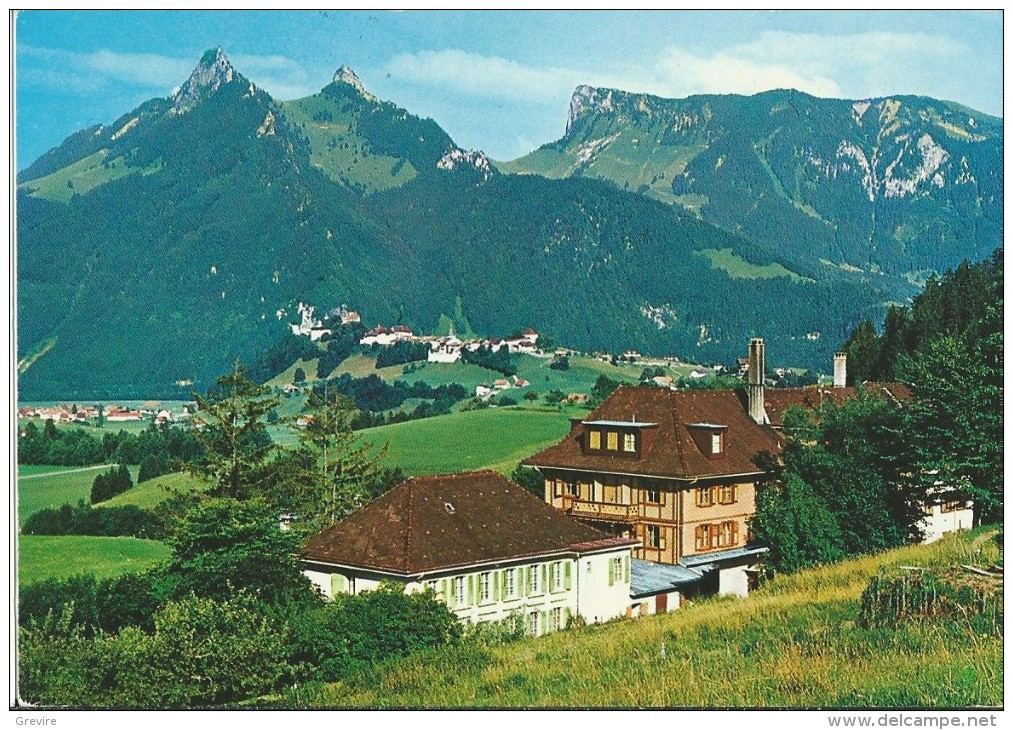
x=497 y=81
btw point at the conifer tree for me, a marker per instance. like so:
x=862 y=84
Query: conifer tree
x=232 y=427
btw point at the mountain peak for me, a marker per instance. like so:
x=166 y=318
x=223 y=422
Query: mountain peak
x=212 y=71
x=346 y=75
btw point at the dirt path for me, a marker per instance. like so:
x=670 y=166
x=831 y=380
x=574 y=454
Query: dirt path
x=978 y=541
x=65 y=471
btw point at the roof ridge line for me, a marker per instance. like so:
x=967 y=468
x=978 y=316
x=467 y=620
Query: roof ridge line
x=451 y=475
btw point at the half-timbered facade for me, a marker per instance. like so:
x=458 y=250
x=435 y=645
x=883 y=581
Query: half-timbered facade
x=675 y=470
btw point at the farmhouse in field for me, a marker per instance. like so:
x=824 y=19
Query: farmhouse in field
x=489 y=549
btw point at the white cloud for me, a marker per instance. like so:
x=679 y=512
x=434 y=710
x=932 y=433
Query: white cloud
x=278 y=75
x=830 y=52
x=827 y=65
x=139 y=69
x=483 y=76
x=680 y=74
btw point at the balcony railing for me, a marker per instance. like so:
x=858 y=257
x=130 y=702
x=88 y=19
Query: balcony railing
x=601 y=510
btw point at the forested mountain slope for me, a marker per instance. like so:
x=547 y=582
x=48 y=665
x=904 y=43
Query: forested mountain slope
x=896 y=185
x=153 y=251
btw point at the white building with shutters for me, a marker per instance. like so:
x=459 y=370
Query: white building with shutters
x=486 y=547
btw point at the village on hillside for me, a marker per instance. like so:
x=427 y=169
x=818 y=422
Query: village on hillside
x=645 y=504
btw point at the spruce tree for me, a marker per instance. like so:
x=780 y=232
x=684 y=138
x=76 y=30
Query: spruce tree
x=231 y=427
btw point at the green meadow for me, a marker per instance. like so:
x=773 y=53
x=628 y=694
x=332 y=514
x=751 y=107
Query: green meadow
x=491 y=438
x=738 y=268
x=45 y=556
x=148 y=494
x=40 y=487
x=59 y=556
x=795 y=642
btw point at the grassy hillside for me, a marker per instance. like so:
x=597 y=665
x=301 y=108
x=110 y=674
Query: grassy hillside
x=148 y=494
x=580 y=377
x=43 y=556
x=43 y=486
x=493 y=438
x=793 y=643
x=738 y=268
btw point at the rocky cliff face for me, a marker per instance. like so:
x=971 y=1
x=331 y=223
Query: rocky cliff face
x=345 y=75
x=213 y=70
x=899 y=183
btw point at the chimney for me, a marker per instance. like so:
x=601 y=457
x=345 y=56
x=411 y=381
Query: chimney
x=840 y=369
x=757 y=367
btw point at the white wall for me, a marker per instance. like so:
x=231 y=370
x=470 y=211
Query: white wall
x=544 y=600
x=603 y=591
x=583 y=587
x=939 y=523
x=733 y=581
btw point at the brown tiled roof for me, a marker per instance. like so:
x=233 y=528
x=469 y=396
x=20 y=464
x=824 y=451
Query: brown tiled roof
x=779 y=400
x=412 y=530
x=672 y=451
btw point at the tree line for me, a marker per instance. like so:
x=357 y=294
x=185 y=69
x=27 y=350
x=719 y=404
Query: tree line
x=856 y=477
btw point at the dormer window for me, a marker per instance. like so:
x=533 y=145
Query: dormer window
x=627 y=437
x=709 y=438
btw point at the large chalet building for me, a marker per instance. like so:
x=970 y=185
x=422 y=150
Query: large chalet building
x=679 y=470
x=676 y=470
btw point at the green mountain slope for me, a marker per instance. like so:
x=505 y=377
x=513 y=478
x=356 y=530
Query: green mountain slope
x=896 y=185
x=154 y=251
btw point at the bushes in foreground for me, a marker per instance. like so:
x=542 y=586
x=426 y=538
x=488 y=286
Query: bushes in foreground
x=355 y=632
x=106 y=605
x=228 y=617
x=202 y=653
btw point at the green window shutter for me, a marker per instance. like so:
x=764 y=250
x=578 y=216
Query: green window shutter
x=339 y=584
x=566 y=617
x=471 y=590
x=544 y=586
x=612 y=572
x=566 y=575
x=626 y=569
x=522 y=579
x=495 y=586
x=545 y=621
x=445 y=590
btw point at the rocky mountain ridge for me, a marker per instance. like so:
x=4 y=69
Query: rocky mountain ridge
x=155 y=250
x=898 y=184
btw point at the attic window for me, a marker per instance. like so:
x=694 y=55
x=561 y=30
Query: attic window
x=449 y=507
x=716 y=443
